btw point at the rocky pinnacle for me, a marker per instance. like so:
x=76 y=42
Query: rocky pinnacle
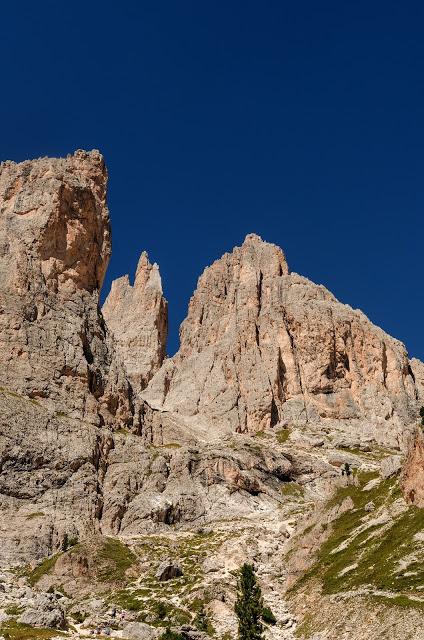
x=138 y=318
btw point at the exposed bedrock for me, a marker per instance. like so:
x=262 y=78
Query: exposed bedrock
x=261 y=346
x=137 y=316
x=54 y=250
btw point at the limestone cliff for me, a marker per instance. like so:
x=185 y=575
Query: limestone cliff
x=417 y=368
x=138 y=318
x=262 y=346
x=54 y=250
x=61 y=384
x=412 y=481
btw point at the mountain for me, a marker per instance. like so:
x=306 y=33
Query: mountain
x=284 y=432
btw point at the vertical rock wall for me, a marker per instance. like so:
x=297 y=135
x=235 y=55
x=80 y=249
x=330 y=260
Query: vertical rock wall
x=138 y=319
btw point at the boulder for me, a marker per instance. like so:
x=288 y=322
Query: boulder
x=168 y=570
x=140 y=631
x=45 y=611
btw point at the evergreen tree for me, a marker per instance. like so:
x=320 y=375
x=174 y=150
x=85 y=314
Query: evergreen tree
x=249 y=605
x=65 y=542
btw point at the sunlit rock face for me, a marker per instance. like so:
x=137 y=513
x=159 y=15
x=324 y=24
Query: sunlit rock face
x=61 y=385
x=138 y=319
x=412 y=481
x=54 y=250
x=261 y=346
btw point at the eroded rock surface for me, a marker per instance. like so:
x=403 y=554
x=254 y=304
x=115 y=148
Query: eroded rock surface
x=138 y=318
x=413 y=471
x=54 y=250
x=417 y=368
x=261 y=345
x=61 y=384
x=51 y=470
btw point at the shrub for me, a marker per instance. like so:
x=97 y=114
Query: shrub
x=79 y=616
x=268 y=616
x=201 y=620
x=346 y=469
x=171 y=635
x=161 y=610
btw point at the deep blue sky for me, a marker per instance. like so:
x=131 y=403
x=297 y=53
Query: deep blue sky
x=300 y=121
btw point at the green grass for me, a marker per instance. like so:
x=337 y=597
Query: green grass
x=36 y=514
x=41 y=569
x=292 y=490
x=153 y=611
x=166 y=445
x=122 y=431
x=12 y=630
x=374 y=551
x=14 y=610
x=114 y=559
x=377 y=452
x=171 y=635
x=19 y=396
x=401 y=601
x=283 y=435
x=306 y=628
x=175 y=596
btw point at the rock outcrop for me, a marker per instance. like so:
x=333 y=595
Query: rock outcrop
x=61 y=384
x=261 y=346
x=54 y=250
x=412 y=481
x=138 y=318
x=417 y=368
x=51 y=472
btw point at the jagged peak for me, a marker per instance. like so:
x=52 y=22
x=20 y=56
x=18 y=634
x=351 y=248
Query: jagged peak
x=147 y=274
x=253 y=238
x=137 y=316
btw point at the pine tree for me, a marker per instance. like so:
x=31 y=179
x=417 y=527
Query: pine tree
x=249 y=605
x=65 y=542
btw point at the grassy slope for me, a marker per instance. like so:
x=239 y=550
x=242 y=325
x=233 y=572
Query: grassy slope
x=360 y=553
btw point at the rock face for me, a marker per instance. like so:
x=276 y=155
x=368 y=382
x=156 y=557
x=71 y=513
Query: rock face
x=261 y=346
x=138 y=318
x=60 y=382
x=168 y=570
x=412 y=482
x=54 y=250
x=45 y=612
x=417 y=368
x=51 y=473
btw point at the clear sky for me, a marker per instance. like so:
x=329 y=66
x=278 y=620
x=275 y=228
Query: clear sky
x=300 y=121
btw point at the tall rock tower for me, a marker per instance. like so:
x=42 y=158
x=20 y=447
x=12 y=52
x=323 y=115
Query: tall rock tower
x=138 y=319
x=54 y=250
